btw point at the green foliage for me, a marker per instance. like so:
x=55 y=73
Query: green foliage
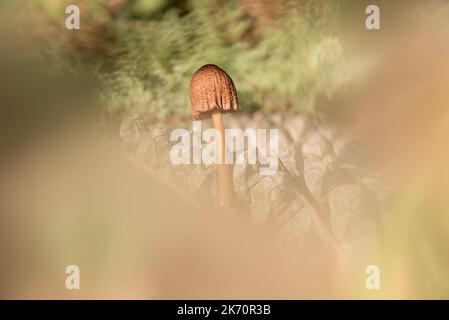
x=288 y=64
x=160 y=57
x=294 y=65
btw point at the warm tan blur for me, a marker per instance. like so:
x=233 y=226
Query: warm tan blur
x=71 y=202
x=402 y=110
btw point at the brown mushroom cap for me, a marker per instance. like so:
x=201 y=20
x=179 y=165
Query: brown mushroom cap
x=212 y=89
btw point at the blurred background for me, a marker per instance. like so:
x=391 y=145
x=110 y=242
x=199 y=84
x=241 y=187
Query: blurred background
x=68 y=196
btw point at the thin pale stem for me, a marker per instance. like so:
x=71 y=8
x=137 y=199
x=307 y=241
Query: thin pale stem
x=225 y=185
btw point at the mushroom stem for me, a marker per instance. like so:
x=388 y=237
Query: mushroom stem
x=225 y=185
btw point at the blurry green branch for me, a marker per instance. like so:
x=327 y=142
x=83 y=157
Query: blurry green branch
x=282 y=55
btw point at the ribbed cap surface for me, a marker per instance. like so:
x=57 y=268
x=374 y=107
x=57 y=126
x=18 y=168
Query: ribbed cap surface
x=212 y=89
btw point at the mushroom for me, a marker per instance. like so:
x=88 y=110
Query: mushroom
x=213 y=93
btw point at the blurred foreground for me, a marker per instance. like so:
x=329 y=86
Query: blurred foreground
x=70 y=195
